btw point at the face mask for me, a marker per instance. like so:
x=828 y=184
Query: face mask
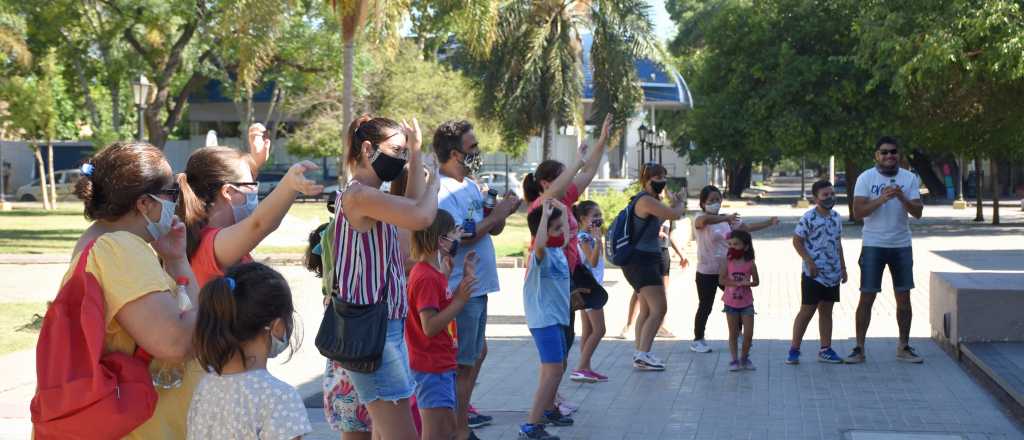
x=556 y=241
x=157 y=230
x=712 y=208
x=472 y=163
x=597 y=222
x=735 y=254
x=829 y=202
x=657 y=187
x=277 y=346
x=387 y=168
x=246 y=209
x=454 y=249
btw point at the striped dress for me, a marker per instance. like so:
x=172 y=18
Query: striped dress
x=369 y=264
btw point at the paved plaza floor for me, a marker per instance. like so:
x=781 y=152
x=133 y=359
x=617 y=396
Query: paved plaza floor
x=696 y=397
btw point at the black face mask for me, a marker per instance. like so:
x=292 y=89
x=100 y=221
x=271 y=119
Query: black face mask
x=471 y=162
x=387 y=168
x=657 y=187
x=829 y=203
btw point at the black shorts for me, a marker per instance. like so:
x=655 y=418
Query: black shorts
x=666 y=262
x=813 y=292
x=583 y=278
x=644 y=269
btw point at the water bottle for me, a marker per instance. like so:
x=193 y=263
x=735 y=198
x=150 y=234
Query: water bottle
x=169 y=375
x=490 y=201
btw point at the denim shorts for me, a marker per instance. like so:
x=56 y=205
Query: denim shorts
x=873 y=261
x=471 y=324
x=550 y=343
x=393 y=380
x=746 y=311
x=435 y=390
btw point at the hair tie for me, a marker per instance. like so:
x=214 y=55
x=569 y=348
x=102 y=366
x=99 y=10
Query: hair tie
x=231 y=283
x=87 y=169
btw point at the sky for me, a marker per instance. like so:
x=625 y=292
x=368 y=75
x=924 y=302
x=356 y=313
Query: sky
x=664 y=27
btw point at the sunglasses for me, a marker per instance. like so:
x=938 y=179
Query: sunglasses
x=172 y=191
x=887 y=152
x=256 y=184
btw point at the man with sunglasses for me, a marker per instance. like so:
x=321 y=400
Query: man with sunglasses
x=883 y=198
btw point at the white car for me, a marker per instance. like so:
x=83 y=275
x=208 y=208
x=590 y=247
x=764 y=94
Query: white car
x=497 y=180
x=65 y=180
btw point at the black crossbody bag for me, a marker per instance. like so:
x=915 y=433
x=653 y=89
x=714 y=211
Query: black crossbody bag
x=354 y=334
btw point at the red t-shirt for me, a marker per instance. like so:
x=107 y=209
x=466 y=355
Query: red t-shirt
x=572 y=255
x=428 y=289
x=204 y=260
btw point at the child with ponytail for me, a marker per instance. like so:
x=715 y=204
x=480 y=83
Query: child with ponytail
x=245 y=317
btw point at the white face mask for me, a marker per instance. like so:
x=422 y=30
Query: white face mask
x=243 y=211
x=712 y=208
x=277 y=346
x=157 y=230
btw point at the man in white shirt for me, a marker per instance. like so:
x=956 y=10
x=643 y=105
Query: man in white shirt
x=883 y=198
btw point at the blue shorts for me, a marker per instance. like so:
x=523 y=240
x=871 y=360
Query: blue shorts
x=471 y=324
x=873 y=261
x=550 y=343
x=435 y=390
x=393 y=380
x=746 y=311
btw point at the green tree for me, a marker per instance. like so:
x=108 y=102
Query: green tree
x=532 y=78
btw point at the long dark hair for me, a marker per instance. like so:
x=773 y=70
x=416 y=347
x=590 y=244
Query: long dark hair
x=547 y=171
x=314 y=262
x=207 y=171
x=121 y=173
x=747 y=240
x=228 y=316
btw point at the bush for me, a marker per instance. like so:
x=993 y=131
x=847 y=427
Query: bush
x=611 y=202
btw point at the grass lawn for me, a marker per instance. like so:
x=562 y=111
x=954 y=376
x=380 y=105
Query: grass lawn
x=35 y=231
x=16 y=321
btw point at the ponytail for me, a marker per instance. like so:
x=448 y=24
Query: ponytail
x=192 y=212
x=215 y=340
x=238 y=307
x=367 y=128
x=314 y=260
x=531 y=189
x=208 y=169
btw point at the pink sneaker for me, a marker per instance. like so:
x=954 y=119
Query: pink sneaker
x=585 y=376
x=600 y=377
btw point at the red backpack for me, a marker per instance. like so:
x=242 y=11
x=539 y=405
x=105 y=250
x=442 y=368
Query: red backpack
x=82 y=392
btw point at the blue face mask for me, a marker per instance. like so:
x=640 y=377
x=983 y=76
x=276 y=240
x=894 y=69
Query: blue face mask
x=243 y=211
x=277 y=346
x=159 y=229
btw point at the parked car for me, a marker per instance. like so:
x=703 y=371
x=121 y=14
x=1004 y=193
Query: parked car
x=65 y=182
x=268 y=180
x=840 y=182
x=498 y=179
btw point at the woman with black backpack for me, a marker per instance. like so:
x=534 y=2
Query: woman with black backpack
x=643 y=271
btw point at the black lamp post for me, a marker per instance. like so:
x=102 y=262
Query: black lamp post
x=140 y=91
x=643 y=142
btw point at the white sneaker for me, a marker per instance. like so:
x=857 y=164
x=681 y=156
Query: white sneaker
x=644 y=361
x=700 y=346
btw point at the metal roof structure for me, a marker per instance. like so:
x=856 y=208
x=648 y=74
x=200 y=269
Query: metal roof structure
x=663 y=86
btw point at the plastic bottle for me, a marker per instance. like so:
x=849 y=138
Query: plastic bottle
x=490 y=201
x=169 y=375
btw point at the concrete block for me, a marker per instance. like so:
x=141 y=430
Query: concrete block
x=976 y=307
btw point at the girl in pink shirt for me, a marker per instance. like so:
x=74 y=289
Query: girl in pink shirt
x=738 y=275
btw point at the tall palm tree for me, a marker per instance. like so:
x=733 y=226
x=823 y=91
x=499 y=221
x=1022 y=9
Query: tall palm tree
x=533 y=78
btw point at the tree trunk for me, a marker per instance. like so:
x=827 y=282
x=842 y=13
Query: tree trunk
x=273 y=119
x=921 y=162
x=42 y=177
x=53 y=183
x=995 y=191
x=852 y=173
x=349 y=50
x=738 y=177
x=979 y=185
x=115 y=102
x=94 y=114
x=548 y=134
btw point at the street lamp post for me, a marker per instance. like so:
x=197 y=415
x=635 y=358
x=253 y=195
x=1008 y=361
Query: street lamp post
x=960 y=203
x=643 y=141
x=140 y=91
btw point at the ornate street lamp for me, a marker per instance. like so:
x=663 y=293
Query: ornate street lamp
x=140 y=91
x=643 y=141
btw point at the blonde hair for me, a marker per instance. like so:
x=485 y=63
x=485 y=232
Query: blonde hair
x=424 y=242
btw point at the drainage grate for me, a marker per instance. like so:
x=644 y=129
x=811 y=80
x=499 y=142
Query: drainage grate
x=895 y=435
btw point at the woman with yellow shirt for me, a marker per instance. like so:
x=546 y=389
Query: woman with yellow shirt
x=129 y=193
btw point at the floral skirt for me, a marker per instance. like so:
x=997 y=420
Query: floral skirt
x=341 y=403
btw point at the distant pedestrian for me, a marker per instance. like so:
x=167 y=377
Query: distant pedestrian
x=884 y=196
x=818 y=241
x=739 y=275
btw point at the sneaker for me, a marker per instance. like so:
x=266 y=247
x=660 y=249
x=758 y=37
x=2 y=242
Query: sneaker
x=564 y=406
x=856 y=356
x=600 y=377
x=735 y=366
x=748 y=364
x=794 y=357
x=626 y=331
x=556 y=418
x=535 y=432
x=583 y=376
x=908 y=354
x=700 y=346
x=644 y=361
x=663 y=333
x=829 y=356
x=479 y=420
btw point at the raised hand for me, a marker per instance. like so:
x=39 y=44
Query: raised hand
x=508 y=204
x=548 y=206
x=172 y=245
x=606 y=127
x=413 y=136
x=296 y=179
x=259 y=145
x=733 y=218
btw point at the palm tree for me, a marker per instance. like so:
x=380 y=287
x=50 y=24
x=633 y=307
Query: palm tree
x=533 y=78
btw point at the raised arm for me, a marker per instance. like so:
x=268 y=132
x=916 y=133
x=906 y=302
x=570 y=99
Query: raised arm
x=416 y=180
x=238 y=240
x=592 y=161
x=541 y=240
x=754 y=227
x=402 y=212
x=648 y=206
x=709 y=219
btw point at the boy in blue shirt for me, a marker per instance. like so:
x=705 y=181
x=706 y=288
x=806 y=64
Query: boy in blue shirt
x=546 y=301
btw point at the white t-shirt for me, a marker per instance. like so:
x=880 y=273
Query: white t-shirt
x=889 y=225
x=249 y=405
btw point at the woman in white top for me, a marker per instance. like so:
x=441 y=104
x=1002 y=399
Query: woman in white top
x=712 y=235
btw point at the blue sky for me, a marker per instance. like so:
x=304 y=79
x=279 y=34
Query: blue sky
x=663 y=25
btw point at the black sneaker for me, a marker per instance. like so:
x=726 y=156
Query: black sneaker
x=856 y=356
x=479 y=420
x=907 y=353
x=556 y=418
x=535 y=432
x=472 y=436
